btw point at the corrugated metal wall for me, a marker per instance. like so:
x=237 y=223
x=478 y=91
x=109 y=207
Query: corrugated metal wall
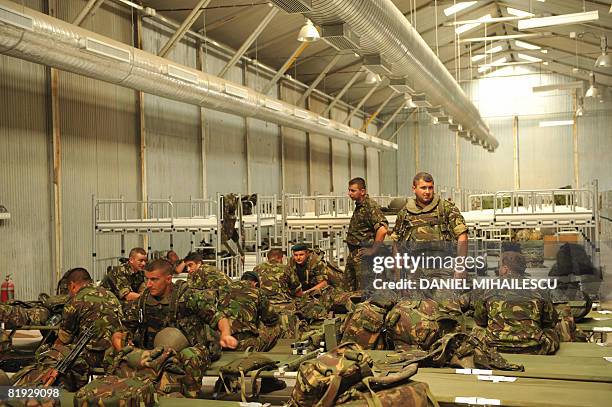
x=99 y=141
x=545 y=153
x=25 y=178
x=341 y=156
x=320 y=171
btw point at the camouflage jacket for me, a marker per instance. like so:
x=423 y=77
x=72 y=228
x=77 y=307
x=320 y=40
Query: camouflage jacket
x=514 y=318
x=91 y=306
x=247 y=307
x=207 y=277
x=366 y=220
x=311 y=273
x=440 y=220
x=121 y=280
x=278 y=281
x=192 y=311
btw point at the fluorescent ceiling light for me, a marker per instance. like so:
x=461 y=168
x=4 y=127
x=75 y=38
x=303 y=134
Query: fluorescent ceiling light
x=477 y=58
x=486 y=67
x=529 y=58
x=526 y=45
x=467 y=27
x=493 y=50
x=455 y=8
x=519 y=13
x=505 y=37
x=563 y=19
x=552 y=123
x=544 y=51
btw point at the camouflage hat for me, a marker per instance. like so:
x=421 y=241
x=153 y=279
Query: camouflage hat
x=171 y=338
x=299 y=247
x=250 y=275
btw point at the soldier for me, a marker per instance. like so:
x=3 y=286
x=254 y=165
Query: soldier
x=309 y=268
x=176 y=261
x=203 y=276
x=278 y=281
x=254 y=323
x=127 y=281
x=368 y=227
x=88 y=306
x=193 y=312
x=516 y=321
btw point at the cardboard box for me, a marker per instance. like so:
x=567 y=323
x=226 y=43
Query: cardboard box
x=553 y=243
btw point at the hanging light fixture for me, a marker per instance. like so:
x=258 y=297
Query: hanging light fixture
x=308 y=32
x=372 y=78
x=605 y=59
x=593 y=90
x=580 y=110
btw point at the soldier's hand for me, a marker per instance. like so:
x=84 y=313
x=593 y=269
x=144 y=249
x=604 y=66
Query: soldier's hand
x=228 y=342
x=132 y=296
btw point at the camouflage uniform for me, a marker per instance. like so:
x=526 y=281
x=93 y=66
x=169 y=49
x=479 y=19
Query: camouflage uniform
x=89 y=306
x=429 y=230
x=121 y=280
x=311 y=273
x=15 y=316
x=207 y=277
x=254 y=323
x=366 y=220
x=516 y=321
x=279 y=284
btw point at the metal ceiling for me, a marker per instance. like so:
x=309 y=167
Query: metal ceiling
x=232 y=21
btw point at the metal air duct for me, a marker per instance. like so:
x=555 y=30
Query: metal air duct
x=39 y=38
x=383 y=29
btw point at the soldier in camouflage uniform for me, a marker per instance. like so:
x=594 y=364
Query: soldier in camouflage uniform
x=192 y=311
x=254 y=324
x=127 y=281
x=368 y=226
x=88 y=306
x=516 y=321
x=15 y=316
x=309 y=268
x=427 y=218
x=204 y=276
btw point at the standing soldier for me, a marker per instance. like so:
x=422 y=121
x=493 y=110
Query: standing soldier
x=204 y=276
x=127 y=281
x=368 y=227
x=193 y=312
x=427 y=218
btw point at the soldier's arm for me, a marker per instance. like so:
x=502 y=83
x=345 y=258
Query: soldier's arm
x=69 y=324
x=120 y=284
x=319 y=275
x=480 y=313
x=269 y=317
x=549 y=315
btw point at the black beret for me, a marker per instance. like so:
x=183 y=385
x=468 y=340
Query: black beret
x=299 y=247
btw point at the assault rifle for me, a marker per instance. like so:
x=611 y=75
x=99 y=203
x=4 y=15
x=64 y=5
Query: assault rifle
x=66 y=363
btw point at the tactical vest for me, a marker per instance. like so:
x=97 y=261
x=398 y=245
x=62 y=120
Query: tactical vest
x=157 y=315
x=426 y=226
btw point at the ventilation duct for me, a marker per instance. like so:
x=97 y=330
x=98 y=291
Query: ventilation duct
x=383 y=29
x=377 y=64
x=55 y=43
x=340 y=36
x=401 y=85
x=294 y=6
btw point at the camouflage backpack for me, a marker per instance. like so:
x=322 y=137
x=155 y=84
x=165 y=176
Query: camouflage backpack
x=347 y=375
x=417 y=323
x=367 y=324
x=232 y=375
x=111 y=391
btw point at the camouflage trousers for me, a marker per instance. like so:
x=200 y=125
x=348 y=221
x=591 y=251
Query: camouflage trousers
x=549 y=343
x=262 y=341
x=354 y=273
x=290 y=324
x=46 y=359
x=15 y=316
x=171 y=372
x=566 y=326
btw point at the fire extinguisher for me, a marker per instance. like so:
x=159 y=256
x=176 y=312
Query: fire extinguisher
x=7 y=290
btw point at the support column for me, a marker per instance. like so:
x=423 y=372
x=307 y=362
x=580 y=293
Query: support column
x=417 y=141
x=56 y=139
x=457 y=161
x=203 y=131
x=515 y=137
x=140 y=109
x=245 y=81
x=575 y=142
x=310 y=189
